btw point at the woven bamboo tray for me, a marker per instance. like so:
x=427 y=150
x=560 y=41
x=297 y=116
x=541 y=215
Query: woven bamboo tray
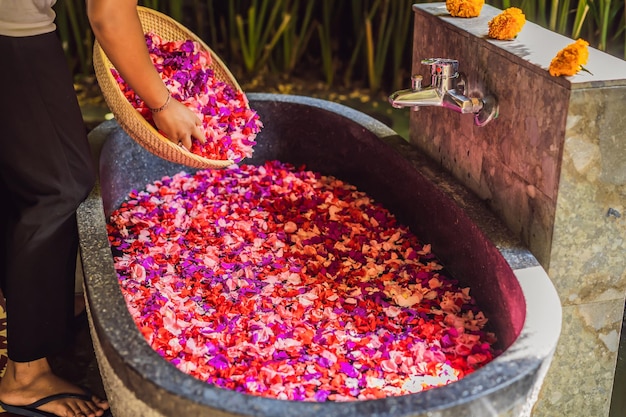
x=130 y=119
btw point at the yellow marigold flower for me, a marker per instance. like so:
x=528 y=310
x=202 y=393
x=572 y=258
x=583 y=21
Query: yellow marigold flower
x=570 y=60
x=464 y=8
x=507 y=24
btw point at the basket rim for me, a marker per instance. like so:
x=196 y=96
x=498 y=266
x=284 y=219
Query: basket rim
x=103 y=67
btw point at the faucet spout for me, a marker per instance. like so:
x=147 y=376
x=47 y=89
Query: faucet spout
x=415 y=98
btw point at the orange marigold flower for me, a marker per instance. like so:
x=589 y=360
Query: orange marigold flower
x=507 y=24
x=570 y=60
x=464 y=8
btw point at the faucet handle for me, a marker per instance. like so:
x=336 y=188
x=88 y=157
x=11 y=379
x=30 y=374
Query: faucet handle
x=443 y=71
x=431 y=61
x=442 y=67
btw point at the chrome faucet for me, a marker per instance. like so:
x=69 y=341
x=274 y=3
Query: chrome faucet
x=447 y=89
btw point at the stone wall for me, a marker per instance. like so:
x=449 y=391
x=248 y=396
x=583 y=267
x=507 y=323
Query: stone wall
x=552 y=166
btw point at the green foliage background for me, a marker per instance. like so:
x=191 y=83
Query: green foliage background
x=347 y=43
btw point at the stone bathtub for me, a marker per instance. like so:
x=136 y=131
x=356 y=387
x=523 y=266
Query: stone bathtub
x=507 y=281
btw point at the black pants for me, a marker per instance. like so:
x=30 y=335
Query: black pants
x=46 y=171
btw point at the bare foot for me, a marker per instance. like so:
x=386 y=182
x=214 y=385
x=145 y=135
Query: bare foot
x=25 y=383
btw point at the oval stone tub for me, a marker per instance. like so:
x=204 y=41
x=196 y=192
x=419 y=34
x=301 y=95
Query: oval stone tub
x=506 y=280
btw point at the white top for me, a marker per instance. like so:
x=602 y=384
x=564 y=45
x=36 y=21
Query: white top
x=26 y=17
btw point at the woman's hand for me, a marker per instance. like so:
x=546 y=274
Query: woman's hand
x=179 y=124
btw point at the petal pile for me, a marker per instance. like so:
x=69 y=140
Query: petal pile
x=277 y=281
x=229 y=125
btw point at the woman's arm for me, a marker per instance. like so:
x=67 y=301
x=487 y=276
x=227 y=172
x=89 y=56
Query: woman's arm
x=117 y=28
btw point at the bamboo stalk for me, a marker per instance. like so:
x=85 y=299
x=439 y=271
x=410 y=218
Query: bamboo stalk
x=562 y=19
x=78 y=28
x=554 y=10
x=605 y=7
x=325 y=41
x=581 y=13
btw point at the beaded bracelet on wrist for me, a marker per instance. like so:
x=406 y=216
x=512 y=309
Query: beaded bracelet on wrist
x=164 y=106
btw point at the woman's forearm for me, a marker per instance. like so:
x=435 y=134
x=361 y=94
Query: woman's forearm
x=117 y=28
